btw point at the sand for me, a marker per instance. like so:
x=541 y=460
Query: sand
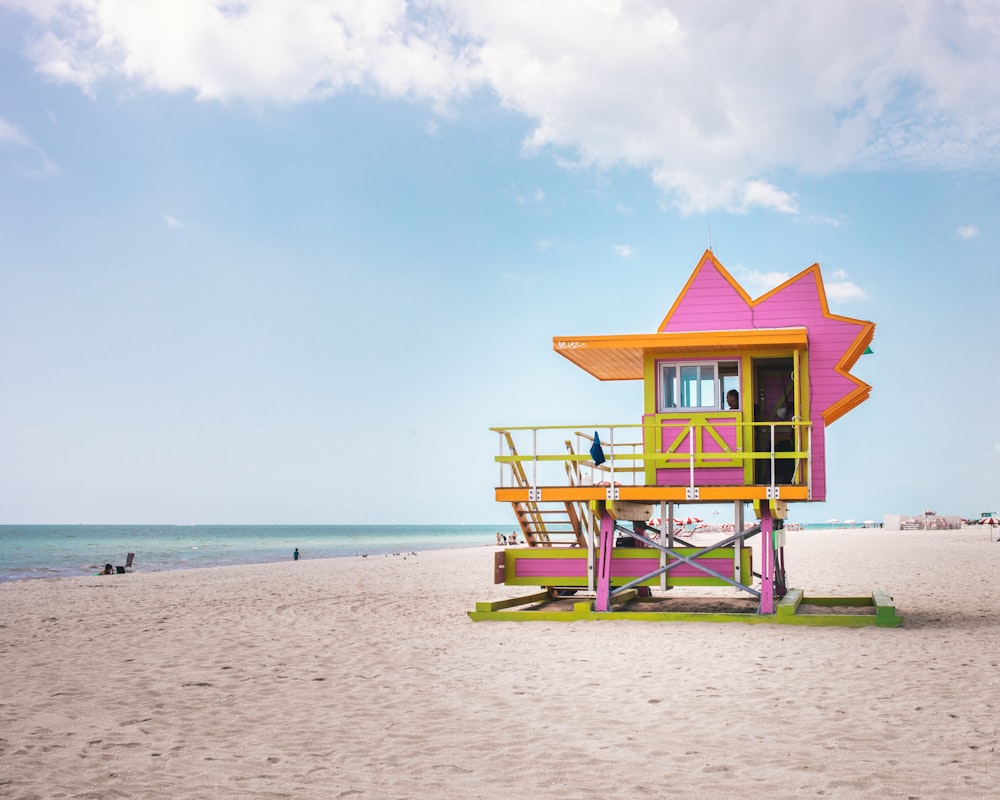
x=364 y=678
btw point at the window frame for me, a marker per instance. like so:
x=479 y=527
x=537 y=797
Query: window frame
x=671 y=387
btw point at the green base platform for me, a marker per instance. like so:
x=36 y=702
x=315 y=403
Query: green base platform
x=793 y=609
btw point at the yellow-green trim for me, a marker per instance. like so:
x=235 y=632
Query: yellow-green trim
x=673 y=458
x=788 y=612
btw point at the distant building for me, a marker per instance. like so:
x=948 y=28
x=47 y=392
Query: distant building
x=924 y=521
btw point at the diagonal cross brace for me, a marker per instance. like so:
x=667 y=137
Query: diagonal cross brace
x=681 y=558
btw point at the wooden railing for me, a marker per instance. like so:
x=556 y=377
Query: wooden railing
x=546 y=456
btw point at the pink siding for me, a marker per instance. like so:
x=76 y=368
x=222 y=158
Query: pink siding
x=724 y=428
x=552 y=567
x=620 y=567
x=724 y=566
x=634 y=567
x=637 y=567
x=799 y=303
x=716 y=476
x=819 y=462
x=711 y=303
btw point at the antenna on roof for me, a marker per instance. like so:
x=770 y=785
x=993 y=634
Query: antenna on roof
x=710 y=236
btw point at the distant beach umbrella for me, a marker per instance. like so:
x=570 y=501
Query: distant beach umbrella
x=657 y=522
x=832 y=521
x=989 y=521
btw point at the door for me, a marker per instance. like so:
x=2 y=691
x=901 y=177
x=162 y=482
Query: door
x=774 y=402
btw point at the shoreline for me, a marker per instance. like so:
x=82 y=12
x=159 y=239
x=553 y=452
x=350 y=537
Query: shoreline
x=46 y=552
x=986 y=532
x=139 y=570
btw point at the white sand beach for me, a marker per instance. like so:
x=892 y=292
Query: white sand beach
x=364 y=678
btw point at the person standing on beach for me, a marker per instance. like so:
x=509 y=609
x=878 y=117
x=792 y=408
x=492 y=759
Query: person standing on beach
x=295 y=555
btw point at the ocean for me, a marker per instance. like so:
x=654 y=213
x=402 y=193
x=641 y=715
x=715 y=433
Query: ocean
x=58 y=551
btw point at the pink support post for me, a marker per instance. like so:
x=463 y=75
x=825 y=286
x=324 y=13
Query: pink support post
x=766 y=559
x=603 y=600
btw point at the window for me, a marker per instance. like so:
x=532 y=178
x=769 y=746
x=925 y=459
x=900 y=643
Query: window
x=698 y=386
x=729 y=381
x=701 y=384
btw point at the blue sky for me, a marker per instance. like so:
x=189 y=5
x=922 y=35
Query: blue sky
x=265 y=262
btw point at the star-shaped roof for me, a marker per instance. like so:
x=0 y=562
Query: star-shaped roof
x=714 y=313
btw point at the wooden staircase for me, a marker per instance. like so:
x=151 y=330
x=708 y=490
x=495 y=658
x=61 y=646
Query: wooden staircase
x=551 y=524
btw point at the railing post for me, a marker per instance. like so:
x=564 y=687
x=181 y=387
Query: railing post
x=691 y=453
x=534 y=457
x=809 y=462
x=502 y=484
x=611 y=447
x=772 y=458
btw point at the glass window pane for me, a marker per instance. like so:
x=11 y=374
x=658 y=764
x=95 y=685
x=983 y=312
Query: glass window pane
x=668 y=390
x=706 y=395
x=693 y=385
x=731 y=383
x=689 y=386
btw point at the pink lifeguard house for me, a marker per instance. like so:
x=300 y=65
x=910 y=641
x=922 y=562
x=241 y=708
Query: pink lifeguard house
x=737 y=394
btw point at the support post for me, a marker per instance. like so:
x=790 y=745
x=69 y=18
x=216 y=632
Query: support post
x=738 y=545
x=766 y=559
x=603 y=599
x=664 y=525
x=591 y=561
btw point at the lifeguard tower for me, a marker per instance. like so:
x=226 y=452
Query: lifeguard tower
x=737 y=396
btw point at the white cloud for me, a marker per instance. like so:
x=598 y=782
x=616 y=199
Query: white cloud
x=824 y=219
x=266 y=50
x=624 y=250
x=520 y=282
x=967 y=232
x=840 y=288
x=536 y=196
x=837 y=284
x=763 y=194
x=13 y=136
x=171 y=221
x=714 y=100
x=756 y=282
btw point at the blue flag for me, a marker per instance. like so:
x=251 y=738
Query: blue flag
x=596 y=451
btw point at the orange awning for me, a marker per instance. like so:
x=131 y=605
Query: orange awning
x=620 y=358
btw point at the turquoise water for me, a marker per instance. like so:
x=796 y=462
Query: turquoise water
x=56 y=551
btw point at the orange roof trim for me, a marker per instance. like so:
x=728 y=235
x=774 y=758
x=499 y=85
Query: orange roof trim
x=620 y=358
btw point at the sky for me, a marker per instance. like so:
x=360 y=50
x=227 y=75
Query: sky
x=288 y=262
